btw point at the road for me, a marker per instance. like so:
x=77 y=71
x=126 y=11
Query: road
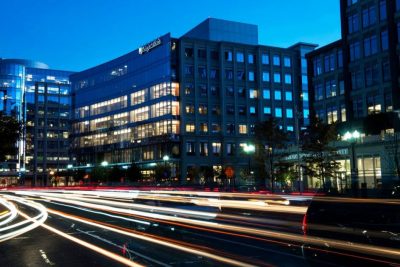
x=151 y=228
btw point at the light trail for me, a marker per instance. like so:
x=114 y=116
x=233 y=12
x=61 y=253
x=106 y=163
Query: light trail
x=37 y=220
x=90 y=246
x=128 y=232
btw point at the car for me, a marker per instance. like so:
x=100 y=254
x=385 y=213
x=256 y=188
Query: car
x=373 y=222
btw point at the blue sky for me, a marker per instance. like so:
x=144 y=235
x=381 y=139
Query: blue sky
x=78 y=34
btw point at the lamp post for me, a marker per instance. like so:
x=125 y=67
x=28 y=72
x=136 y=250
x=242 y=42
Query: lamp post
x=249 y=149
x=352 y=138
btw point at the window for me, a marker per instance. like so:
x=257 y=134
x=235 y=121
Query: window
x=354 y=23
x=189 y=109
x=319 y=92
x=230 y=128
x=355 y=51
x=214 y=74
x=288 y=78
x=203 y=109
x=216 y=148
x=384 y=40
x=242 y=110
x=278 y=112
x=386 y=71
x=188 y=70
x=190 y=150
x=371 y=74
x=356 y=80
x=228 y=55
x=216 y=110
x=288 y=96
x=253 y=93
x=317 y=66
x=277 y=77
x=229 y=91
x=250 y=58
x=251 y=76
x=228 y=74
x=203 y=90
x=203 y=149
x=357 y=107
x=230 y=149
x=276 y=60
x=289 y=128
x=289 y=113
x=267 y=110
x=266 y=94
x=253 y=110
x=370 y=45
x=304 y=95
x=241 y=92
x=397 y=4
x=332 y=115
x=382 y=10
x=203 y=127
x=343 y=113
x=369 y=16
x=265 y=76
x=230 y=109
x=240 y=75
x=201 y=53
x=188 y=52
x=265 y=59
x=239 y=57
x=202 y=72
x=215 y=128
x=330 y=88
x=373 y=105
x=341 y=87
x=277 y=95
x=188 y=89
x=190 y=127
x=287 y=62
x=242 y=129
x=340 y=58
x=214 y=90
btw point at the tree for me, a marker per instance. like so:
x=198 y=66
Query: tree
x=99 y=173
x=134 y=173
x=269 y=139
x=116 y=174
x=10 y=133
x=320 y=156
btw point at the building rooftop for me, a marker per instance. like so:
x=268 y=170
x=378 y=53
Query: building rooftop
x=225 y=31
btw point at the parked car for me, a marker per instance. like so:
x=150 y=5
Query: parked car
x=369 y=222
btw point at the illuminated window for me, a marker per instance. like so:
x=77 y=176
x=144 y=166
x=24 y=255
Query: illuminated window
x=203 y=149
x=215 y=128
x=140 y=114
x=203 y=127
x=265 y=59
x=242 y=128
x=190 y=127
x=189 y=109
x=253 y=93
x=216 y=148
x=203 y=109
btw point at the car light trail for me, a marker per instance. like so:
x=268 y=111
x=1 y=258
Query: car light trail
x=154 y=240
x=90 y=246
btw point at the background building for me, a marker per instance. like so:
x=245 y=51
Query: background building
x=356 y=79
x=195 y=99
x=40 y=98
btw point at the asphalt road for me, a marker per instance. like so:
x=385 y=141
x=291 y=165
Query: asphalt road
x=154 y=229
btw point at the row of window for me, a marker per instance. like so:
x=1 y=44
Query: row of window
x=328 y=89
x=240 y=57
x=328 y=63
x=371 y=75
x=369 y=16
x=370 y=46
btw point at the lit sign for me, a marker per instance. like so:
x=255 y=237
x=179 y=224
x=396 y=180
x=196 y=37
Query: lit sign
x=147 y=47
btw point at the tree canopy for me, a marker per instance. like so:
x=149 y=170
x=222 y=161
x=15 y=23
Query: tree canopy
x=10 y=133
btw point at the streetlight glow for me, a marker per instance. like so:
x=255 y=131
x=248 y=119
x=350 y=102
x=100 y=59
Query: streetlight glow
x=249 y=148
x=166 y=158
x=104 y=163
x=69 y=166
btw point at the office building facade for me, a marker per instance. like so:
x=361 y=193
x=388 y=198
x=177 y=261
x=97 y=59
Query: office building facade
x=195 y=99
x=39 y=98
x=358 y=76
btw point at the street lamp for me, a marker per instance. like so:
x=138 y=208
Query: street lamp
x=165 y=159
x=104 y=164
x=352 y=138
x=249 y=149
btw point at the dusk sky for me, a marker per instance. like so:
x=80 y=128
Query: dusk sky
x=78 y=34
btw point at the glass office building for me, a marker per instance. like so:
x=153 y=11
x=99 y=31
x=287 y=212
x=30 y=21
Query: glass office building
x=40 y=98
x=195 y=99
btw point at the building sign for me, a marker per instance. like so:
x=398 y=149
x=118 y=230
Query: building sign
x=147 y=47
